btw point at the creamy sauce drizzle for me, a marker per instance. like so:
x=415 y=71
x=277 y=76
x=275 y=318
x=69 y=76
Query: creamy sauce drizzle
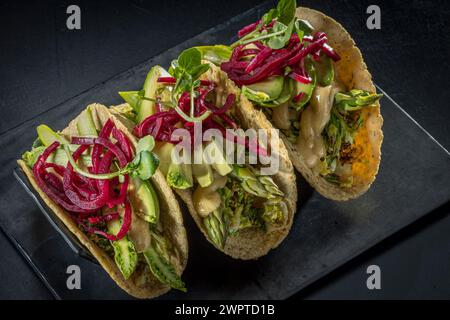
x=313 y=120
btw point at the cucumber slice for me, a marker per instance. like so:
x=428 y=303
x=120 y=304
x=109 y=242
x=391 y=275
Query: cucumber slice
x=285 y=95
x=264 y=91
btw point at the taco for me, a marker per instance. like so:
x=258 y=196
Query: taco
x=241 y=210
x=104 y=186
x=302 y=72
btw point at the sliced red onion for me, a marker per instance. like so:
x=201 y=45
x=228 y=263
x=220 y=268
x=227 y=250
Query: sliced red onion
x=300 y=78
x=258 y=59
x=97 y=150
x=247 y=29
x=104 y=218
x=329 y=51
x=126 y=223
x=298 y=97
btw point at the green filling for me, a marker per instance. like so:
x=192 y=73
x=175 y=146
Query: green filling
x=30 y=157
x=102 y=243
x=162 y=269
x=247 y=201
x=345 y=120
x=123 y=251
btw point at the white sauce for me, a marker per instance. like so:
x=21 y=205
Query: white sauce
x=206 y=200
x=313 y=120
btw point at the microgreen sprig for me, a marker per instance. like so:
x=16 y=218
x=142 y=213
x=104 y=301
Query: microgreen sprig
x=280 y=33
x=187 y=69
x=143 y=166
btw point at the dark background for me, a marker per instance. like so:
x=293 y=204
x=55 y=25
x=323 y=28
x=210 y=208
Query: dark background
x=43 y=64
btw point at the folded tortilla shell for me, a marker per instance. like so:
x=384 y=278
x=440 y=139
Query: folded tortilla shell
x=171 y=220
x=250 y=243
x=351 y=71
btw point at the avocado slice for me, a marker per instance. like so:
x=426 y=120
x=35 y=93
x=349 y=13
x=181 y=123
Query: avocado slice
x=217 y=158
x=180 y=176
x=264 y=91
x=177 y=175
x=222 y=168
x=164 y=152
x=125 y=254
x=203 y=173
x=151 y=85
x=86 y=125
x=144 y=200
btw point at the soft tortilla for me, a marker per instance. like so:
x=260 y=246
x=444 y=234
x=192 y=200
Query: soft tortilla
x=352 y=72
x=250 y=243
x=171 y=219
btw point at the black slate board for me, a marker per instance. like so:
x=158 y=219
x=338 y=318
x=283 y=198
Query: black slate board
x=413 y=180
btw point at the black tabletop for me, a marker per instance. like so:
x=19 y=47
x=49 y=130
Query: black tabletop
x=43 y=64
